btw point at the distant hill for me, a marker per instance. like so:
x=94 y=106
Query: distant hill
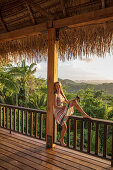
x=74 y=86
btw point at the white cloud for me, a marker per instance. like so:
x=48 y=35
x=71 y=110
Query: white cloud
x=96 y=69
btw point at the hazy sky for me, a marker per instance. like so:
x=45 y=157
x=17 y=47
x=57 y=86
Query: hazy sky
x=92 y=69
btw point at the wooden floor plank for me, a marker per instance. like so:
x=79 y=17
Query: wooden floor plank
x=9 y=157
x=7 y=165
x=60 y=148
x=26 y=155
x=30 y=152
x=35 y=160
x=68 y=158
x=1 y=168
x=22 y=157
x=42 y=155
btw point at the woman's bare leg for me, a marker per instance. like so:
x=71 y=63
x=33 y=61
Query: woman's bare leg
x=64 y=128
x=77 y=106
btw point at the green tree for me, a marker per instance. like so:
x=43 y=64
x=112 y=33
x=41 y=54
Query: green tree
x=38 y=99
x=93 y=104
x=23 y=73
x=8 y=85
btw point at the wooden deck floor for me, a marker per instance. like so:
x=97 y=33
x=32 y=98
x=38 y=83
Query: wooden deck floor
x=21 y=152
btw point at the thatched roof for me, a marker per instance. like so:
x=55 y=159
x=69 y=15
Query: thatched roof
x=82 y=39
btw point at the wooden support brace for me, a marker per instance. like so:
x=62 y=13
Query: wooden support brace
x=3 y=24
x=30 y=12
x=63 y=7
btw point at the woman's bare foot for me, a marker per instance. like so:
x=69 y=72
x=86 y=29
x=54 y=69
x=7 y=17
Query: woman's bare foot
x=77 y=98
x=62 y=143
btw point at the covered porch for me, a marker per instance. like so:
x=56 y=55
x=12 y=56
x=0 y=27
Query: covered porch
x=46 y=28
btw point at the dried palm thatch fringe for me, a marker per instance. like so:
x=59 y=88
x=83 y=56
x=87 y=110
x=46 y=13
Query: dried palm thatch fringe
x=73 y=43
x=29 y=48
x=86 y=41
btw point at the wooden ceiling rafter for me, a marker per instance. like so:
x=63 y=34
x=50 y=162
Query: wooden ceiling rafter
x=30 y=12
x=63 y=7
x=103 y=3
x=43 y=12
x=95 y=17
x=3 y=23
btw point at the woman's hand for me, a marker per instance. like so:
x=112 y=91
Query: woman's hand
x=66 y=101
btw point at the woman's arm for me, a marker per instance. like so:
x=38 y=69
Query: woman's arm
x=66 y=101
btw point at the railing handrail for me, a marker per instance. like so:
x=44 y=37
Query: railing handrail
x=23 y=108
x=108 y=122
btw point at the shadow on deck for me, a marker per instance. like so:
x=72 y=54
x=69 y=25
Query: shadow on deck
x=22 y=152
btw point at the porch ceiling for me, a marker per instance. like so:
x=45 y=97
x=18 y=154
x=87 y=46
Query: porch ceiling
x=37 y=15
x=23 y=18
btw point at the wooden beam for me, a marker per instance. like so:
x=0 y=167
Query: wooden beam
x=24 y=32
x=98 y=16
x=52 y=76
x=30 y=12
x=63 y=7
x=3 y=24
x=103 y=3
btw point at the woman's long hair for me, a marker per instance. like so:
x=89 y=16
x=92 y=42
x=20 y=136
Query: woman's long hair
x=61 y=90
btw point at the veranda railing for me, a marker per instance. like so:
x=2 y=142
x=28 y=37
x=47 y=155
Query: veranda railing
x=86 y=131
x=32 y=122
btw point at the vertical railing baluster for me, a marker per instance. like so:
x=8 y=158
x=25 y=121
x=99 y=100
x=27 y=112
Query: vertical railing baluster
x=18 y=120
x=4 y=117
x=41 y=124
x=82 y=135
x=7 y=117
x=112 y=149
x=31 y=120
x=75 y=134
x=54 y=134
x=0 y=116
x=23 y=121
x=36 y=119
x=105 y=140
x=10 y=120
x=89 y=136
x=26 y=123
x=14 y=119
x=68 y=133
x=97 y=138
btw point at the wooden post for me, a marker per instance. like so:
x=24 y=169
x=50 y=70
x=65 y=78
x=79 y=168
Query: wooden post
x=52 y=76
x=0 y=116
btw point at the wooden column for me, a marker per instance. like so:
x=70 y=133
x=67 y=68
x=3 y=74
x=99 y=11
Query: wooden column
x=52 y=76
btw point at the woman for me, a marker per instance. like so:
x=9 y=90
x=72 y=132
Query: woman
x=62 y=112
